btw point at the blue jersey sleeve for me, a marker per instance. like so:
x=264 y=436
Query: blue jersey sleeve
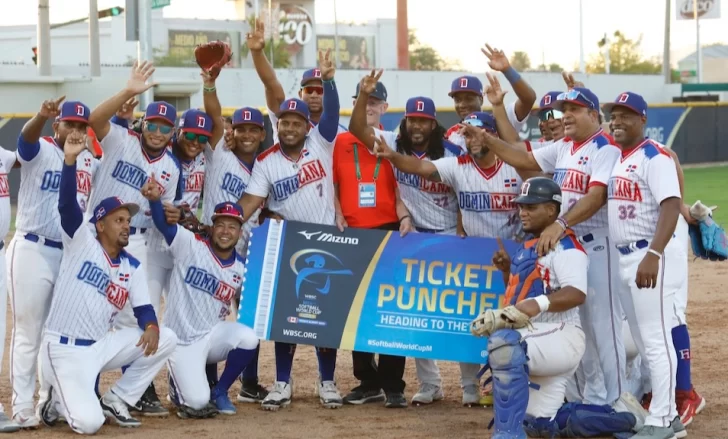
x=160 y=221
x=328 y=126
x=71 y=214
x=26 y=150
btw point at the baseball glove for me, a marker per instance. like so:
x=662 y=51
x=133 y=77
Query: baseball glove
x=491 y=320
x=708 y=240
x=189 y=221
x=208 y=411
x=213 y=56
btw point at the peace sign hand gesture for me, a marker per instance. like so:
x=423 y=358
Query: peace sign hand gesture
x=494 y=92
x=497 y=60
x=570 y=81
x=51 y=108
x=368 y=83
x=256 y=38
x=140 y=73
x=326 y=65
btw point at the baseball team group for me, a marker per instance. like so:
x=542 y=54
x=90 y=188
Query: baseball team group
x=591 y=339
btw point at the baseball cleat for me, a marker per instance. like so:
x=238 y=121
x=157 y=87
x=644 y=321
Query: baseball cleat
x=689 y=404
x=7 y=425
x=359 y=396
x=471 y=396
x=646 y=399
x=427 y=394
x=252 y=392
x=329 y=395
x=395 y=400
x=26 y=418
x=278 y=398
x=116 y=410
x=678 y=428
x=222 y=402
x=149 y=404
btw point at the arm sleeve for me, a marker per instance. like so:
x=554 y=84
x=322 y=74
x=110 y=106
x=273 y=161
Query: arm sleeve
x=27 y=151
x=547 y=156
x=328 y=126
x=169 y=231
x=71 y=214
x=570 y=267
x=447 y=167
x=662 y=178
x=604 y=161
x=259 y=184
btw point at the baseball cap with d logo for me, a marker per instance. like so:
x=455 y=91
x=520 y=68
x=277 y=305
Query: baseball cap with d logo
x=420 y=106
x=109 y=205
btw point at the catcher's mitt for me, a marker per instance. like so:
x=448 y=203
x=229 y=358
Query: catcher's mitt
x=208 y=411
x=213 y=56
x=491 y=320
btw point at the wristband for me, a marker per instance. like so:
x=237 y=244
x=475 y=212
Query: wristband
x=327 y=81
x=152 y=325
x=654 y=252
x=209 y=89
x=562 y=222
x=543 y=302
x=512 y=75
x=403 y=218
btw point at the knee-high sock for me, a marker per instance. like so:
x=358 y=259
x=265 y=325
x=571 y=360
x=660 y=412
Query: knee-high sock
x=327 y=363
x=250 y=373
x=237 y=359
x=284 y=360
x=681 y=341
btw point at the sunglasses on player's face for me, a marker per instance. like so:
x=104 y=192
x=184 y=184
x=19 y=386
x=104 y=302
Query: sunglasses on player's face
x=164 y=129
x=311 y=89
x=201 y=138
x=550 y=113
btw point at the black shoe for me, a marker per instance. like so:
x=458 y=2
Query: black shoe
x=360 y=396
x=252 y=392
x=149 y=404
x=396 y=401
x=48 y=413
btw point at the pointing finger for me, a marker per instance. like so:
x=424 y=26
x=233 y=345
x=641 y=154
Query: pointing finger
x=501 y=247
x=59 y=100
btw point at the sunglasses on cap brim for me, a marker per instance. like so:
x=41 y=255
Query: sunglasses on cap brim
x=549 y=113
x=164 y=129
x=478 y=123
x=575 y=95
x=201 y=138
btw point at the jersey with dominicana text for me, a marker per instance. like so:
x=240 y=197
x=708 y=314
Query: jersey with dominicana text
x=193 y=176
x=453 y=136
x=7 y=160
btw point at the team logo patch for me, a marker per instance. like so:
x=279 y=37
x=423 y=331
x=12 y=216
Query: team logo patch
x=200 y=122
x=524 y=188
x=292 y=105
x=420 y=106
x=463 y=82
x=100 y=213
x=80 y=111
x=162 y=110
x=583 y=160
x=165 y=176
x=316 y=73
x=623 y=98
x=510 y=182
x=631 y=168
x=547 y=100
x=124 y=277
x=247 y=115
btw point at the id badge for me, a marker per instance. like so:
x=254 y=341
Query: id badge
x=367 y=195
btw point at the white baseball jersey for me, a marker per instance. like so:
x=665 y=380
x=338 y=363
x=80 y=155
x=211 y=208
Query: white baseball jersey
x=453 y=136
x=485 y=196
x=641 y=179
x=226 y=178
x=432 y=205
x=40 y=178
x=91 y=288
x=193 y=176
x=301 y=190
x=201 y=287
x=85 y=180
x=576 y=167
x=565 y=266
x=274 y=125
x=7 y=160
x=125 y=168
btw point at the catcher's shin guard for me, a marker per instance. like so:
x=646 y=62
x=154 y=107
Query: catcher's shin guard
x=581 y=420
x=509 y=366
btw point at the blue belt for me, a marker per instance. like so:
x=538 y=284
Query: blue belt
x=47 y=242
x=134 y=230
x=421 y=230
x=633 y=247
x=76 y=341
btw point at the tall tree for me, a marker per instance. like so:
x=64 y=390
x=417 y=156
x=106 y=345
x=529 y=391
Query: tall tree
x=424 y=57
x=520 y=61
x=625 y=56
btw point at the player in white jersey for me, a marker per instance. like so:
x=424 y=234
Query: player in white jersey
x=550 y=120
x=536 y=340
x=194 y=132
x=207 y=278
x=311 y=91
x=467 y=95
x=97 y=278
x=36 y=248
x=295 y=175
x=581 y=164
x=644 y=205
x=129 y=159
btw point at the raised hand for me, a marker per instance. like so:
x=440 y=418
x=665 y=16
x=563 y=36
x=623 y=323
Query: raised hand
x=152 y=189
x=368 y=83
x=497 y=60
x=501 y=259
x=570 y=81
x=326 y=65
x=51 y=108
x=229 y=140
x=140 y=74
x=382 y=149
x=75 y=144
x=256 y=38
x=127 y=110
x=494 y=92
x=207 y=79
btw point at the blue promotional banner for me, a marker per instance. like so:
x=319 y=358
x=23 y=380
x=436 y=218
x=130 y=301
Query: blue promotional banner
x=663 y=122
x=370 y=290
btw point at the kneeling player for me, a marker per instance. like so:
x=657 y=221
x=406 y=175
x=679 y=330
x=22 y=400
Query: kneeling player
x=537 y=340
x=97 y=277
x=206 y=278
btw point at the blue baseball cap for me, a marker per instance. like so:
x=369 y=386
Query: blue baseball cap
x=248 y=115
x=228 y=209
x=630 y=100
x=108 y=205
x=466 y=84
x=196 y=121
x=380 y=92
x=161 y=110
x=481 y=119
x=579 y=96
x=420 y=106
x=311 y=75
x=296 y=106
x=73 y=111
x=548 y=99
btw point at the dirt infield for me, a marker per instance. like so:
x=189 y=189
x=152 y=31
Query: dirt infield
x=306 y=418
